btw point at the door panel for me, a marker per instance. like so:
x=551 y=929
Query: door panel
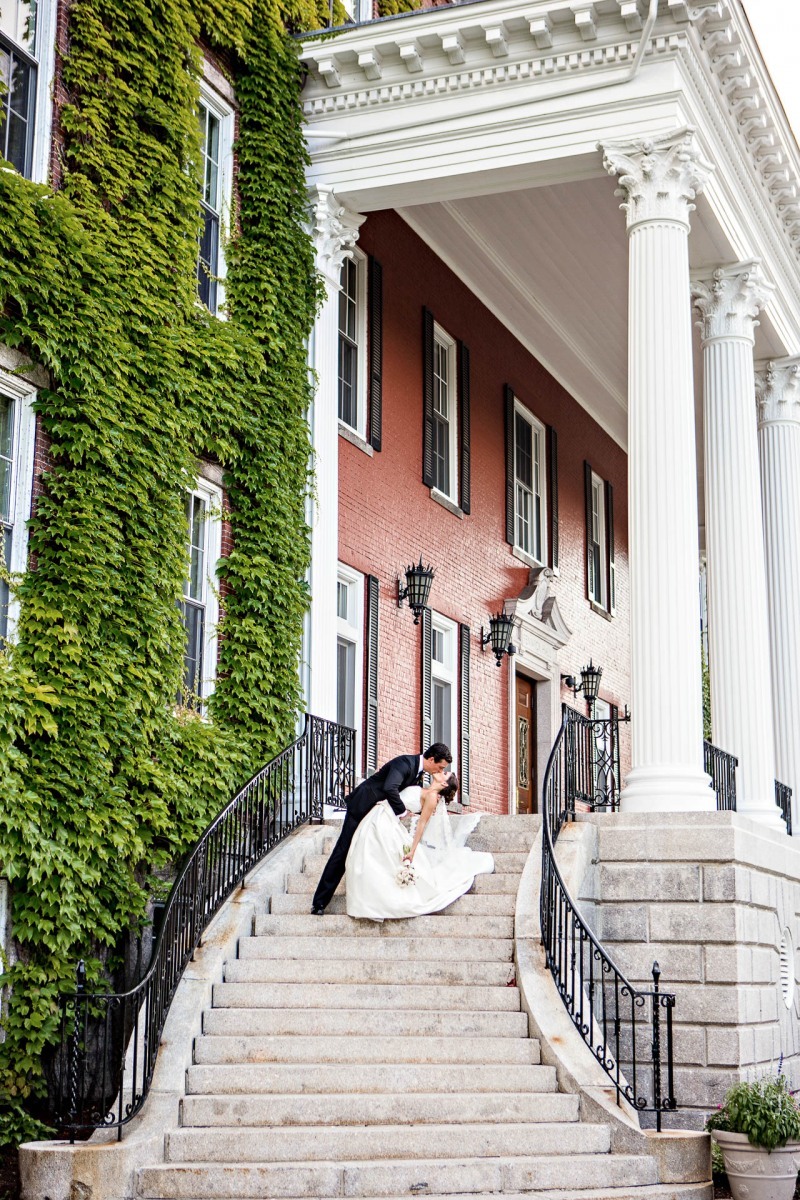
x=525 y=734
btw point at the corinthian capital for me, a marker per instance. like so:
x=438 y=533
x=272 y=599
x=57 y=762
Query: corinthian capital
x=659 y=177
x=730 y=300
x=778 y=391
x=334 y=230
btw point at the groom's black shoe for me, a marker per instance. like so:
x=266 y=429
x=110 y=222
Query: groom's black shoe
x=317 y=911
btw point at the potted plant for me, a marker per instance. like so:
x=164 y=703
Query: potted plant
x=758 y=1130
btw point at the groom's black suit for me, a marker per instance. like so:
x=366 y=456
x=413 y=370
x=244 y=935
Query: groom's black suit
x=385 y=784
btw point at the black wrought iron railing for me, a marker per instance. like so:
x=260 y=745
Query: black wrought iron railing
x=628 y=1029
x=721 y=766
x=109 y=1041
x=783 y=798
x=592 y=752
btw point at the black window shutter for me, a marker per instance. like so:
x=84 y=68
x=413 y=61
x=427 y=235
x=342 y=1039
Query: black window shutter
x=371 y=740
x=510 y=514
x=375 y=307
x=463 y=771
x=427 y=397
x=552 y=478
x=612 y=583
x=463 y=404
x=427 y=721
x=587 y=481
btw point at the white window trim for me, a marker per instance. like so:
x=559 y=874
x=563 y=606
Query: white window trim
x=539 y=428
x=360 y=428
x=45 y=59
x=24 y=437
x=212 y=495
x=449 y=343
x=224 y=113
x=599 y=484
x=353 y=632
x=447 y=674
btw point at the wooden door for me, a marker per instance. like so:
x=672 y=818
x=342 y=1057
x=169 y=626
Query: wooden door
x=526 y=747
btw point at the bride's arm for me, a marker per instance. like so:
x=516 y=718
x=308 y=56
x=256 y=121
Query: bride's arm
x=429 y=801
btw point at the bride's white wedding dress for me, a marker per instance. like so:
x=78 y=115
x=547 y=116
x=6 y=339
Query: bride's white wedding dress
x=444 y=866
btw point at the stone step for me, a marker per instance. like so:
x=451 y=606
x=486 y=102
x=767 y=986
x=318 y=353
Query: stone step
x=495 y=834
x=351 y=970
x=497 y=905
x=506 y=862
x=671 y=1191
x=388 y=949
x=271 y=1022
x=367 y=1079
x=305 y=884
x=390 y=1109
x=345 y=1143
x=435 y=926
x=391 y=997
x=393 y=1047
x=455 y=1178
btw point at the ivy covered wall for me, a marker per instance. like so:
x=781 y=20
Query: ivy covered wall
x=102 y=776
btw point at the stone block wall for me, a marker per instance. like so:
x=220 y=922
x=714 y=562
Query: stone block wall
x=715 y=899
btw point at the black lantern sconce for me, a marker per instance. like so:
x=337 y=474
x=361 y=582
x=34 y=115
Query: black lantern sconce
x=417 y=589
x=589 y=684
x=501 y=626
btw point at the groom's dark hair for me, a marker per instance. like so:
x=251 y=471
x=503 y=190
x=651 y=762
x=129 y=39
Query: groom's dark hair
x=439 y=752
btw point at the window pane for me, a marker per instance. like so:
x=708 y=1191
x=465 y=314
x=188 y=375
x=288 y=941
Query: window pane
x=441 y=454
x=196 y=514
x=441 y=399
x=18 y=22
x=440 y=712
x=208 y=259
x=209 y=135
x=7 y=409
x=523 y=519
x=348 y=379
x=16 y=86
x=345 y=682
x=194 y=622
x=4 y=593
x=437 y=645
x=342 y=596
x=524 y=451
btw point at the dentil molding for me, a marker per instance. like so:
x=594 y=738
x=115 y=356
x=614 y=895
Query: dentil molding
x=334 y=230
x=730 y=300
x=778 y=391
x=659 y=177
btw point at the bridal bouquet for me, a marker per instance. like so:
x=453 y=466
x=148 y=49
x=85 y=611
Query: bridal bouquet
x=406 y=875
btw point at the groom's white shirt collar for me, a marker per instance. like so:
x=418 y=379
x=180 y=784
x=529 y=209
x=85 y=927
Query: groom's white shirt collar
x=421 y=762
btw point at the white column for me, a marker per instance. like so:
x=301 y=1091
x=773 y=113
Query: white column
x=335 y=232
x=741 y=702
x=778 y=392
x=659 y=178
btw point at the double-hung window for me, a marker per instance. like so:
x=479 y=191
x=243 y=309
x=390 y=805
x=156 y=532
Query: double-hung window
x=444 y=702
x=216 y=139
x=600 y=565
x=17 y=425
x=350 y=651
x=18 y=82
x=353 y=344
x=445 y=415
x=200 y=604
x=530 y=493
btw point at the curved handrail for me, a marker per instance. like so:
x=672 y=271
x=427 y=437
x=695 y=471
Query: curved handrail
x=620 y=1023
x=110 y=1040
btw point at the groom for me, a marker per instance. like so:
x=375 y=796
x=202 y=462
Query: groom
x=385 y=784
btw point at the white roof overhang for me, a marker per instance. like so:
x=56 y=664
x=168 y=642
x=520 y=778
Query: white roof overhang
x=480 y=123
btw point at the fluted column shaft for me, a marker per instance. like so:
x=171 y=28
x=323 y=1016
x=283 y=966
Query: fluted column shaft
x=779 y=451
x=335 y=231
x=739 y=665
x=659 y=179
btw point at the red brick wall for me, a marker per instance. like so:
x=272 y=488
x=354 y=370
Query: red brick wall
x=387 y=516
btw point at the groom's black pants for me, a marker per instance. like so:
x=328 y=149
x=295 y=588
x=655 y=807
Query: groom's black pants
x=334 y=868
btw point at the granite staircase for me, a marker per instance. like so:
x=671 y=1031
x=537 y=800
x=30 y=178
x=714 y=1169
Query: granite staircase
x=346 y=1058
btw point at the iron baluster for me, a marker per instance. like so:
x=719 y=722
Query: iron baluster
x=656 y=1048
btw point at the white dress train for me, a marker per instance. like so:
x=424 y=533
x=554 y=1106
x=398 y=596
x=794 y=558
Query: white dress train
x=444 y=866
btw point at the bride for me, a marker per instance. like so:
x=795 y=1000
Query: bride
x=443 y=866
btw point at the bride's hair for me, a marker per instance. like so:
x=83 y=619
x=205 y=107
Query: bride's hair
x=450 y=789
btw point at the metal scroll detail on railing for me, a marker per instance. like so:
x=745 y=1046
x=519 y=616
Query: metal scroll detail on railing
x=592 y=759
x=628 y=1029
x=109 y=1041
x=721 y=766
x=783 y=799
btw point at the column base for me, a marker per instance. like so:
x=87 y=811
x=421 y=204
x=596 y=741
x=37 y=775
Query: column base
x=667 y=788
x=768 y=815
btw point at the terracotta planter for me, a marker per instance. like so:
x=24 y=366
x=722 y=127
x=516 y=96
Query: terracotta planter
x=755 y=1173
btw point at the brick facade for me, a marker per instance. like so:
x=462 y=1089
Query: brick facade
x=387 y=516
